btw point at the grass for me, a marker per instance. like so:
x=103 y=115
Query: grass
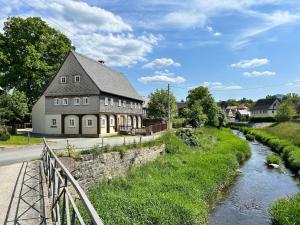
x=289 y=131
x=179 y=187
x=273 y=159
x=286 y=211
x=21 y=140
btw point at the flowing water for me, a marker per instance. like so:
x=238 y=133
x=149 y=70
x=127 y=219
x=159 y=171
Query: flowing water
x=248 y=200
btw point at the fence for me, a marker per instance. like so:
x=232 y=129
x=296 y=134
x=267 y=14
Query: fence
x=152 y=129
x=63 y=205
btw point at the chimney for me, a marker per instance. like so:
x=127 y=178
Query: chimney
x=101 y=61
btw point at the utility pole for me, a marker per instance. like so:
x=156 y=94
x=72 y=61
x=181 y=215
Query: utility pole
x=169 y=108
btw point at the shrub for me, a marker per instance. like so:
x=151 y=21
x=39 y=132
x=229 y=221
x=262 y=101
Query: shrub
x=273 y=159
x=4 y=134
x=187 y=136
x=286 y=211
x=250 y=137
x=262 y=119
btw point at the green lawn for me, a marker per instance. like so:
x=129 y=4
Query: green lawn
x=179 y=187
x=21 y=140
x=288 y=130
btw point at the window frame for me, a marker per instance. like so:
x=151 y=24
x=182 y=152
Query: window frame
x=106 y=101
x=111 y=101
x=74 y=101
x=87 y=122
x=124 y=103
x=77 y=76
x=52 y=123
x=120 y=102
x=63 y=101
x=85 y=100
x=74 y=124
x=57 y=101
x=131 y=105
x=61 y=79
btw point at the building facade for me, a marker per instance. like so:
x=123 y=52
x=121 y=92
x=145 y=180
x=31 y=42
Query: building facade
x=87 y=98
x=265 y=108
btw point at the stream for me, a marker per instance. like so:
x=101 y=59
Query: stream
x=249 y=198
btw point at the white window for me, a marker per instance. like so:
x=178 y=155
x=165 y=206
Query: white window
x=112 y=121
x=139 y=105
x=71 y=122
x=76 y=101
x=89 y=123
x=106 y=101
x=124 y=103
x=103 y=121
x=131 y=105
x=63 y=80
x=85 y=100
x=111 y=101
x=120 y=102
x=135 y=105
x=57 y=101
x=53 y=123
x=65 y=101
x=77 y=79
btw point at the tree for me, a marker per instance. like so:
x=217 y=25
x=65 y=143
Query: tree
x=13 y=108
x=285 y=111
x=158 y=104
x=196 y=116
x=30 y=54
x=200 y=96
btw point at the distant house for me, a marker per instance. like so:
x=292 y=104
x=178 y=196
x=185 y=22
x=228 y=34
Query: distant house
x=231 y=111
x=181 y=106
x=145 y=106
x=265 y=108
x=87 y=98
x=243 y=114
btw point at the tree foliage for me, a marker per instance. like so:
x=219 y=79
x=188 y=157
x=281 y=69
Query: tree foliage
x=158 y=104
x=202 y=109
x=30 y=54
x=13 y=108
x=285 y=111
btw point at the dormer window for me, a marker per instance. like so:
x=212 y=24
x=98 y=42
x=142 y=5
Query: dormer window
x=77 y=79
x=63 y=79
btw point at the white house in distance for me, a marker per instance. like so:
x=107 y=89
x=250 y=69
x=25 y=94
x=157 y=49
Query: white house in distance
x=265 y=108
x=87 y=98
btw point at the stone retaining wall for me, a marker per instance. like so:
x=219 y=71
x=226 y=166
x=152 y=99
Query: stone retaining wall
x=103 y=167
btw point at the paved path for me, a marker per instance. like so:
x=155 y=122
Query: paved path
x=32 y=152
x=21 y=194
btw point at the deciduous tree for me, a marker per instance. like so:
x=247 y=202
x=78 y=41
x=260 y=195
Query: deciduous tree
x=30 y=54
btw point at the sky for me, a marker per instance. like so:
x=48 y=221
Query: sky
x=237 y=48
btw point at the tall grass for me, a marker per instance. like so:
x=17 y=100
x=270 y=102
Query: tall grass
x=179 y=187
x=289 y=131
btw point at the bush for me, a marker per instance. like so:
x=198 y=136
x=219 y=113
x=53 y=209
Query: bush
x=4 y=134
x=275 y=159
x=187 y=136
x=262 y=119
x=250 y=137
x=286 y=211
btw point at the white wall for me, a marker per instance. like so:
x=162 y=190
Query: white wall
x=71 y=130
x=38 y=116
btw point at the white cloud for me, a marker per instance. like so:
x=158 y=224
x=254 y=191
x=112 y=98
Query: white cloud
x=212 y=31
x=94 y=31
x=218 y=86
x=162 y=76
x=259 y=74
x=184 y=19
x=295 y=83
x=249 y=63
x=161 y=62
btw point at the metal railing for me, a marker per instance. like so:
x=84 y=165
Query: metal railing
x=63 y=191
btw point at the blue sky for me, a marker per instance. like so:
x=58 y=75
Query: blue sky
x=238 y=48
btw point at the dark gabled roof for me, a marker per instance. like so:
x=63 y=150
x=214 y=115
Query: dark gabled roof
x=107 y=79
x=181 y=105
x=263 y=104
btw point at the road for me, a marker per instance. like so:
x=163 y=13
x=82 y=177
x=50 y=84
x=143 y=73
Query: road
x=32 y=152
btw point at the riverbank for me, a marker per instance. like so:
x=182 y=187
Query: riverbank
x=178 y=188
